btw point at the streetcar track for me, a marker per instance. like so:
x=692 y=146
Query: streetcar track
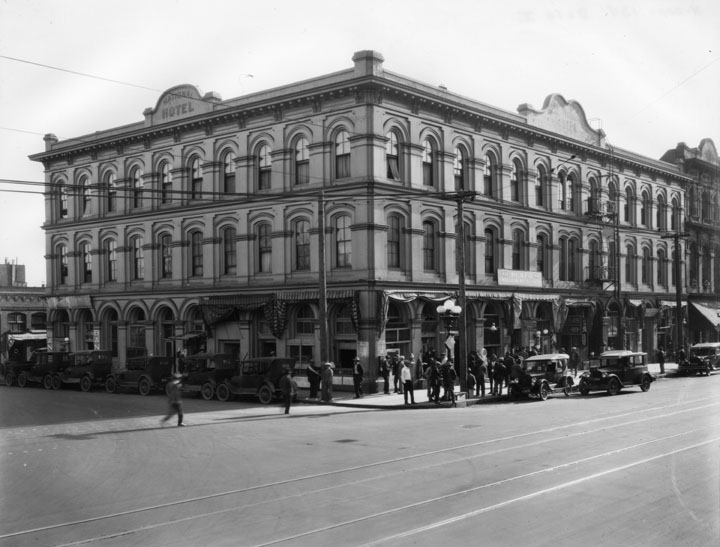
x=388 y=462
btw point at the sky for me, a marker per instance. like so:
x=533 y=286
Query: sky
x=646 y=71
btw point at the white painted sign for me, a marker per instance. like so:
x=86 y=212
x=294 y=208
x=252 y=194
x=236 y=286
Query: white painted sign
x=520 y=278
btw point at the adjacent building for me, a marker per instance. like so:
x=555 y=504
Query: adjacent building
x=236 y=225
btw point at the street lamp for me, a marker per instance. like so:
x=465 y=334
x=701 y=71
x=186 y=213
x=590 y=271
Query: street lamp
x=449 y=311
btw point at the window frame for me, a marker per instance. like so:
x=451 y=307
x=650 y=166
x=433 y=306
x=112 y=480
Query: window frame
x=138 y=257
x=343 y=241
x=196 y=254
x=264 y=155
x=392 y=156
x=166 y=183
x=301 y=236
x=196 y=178
x=302 y=161
x=136 y=176
x=229 y=250
x=342 y=155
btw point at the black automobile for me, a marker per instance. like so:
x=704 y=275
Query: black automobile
x=146 y=374
x=88 y=368
x=46 y=369
x=258 y=377
x=615 y=370
x=541 y=375
x=203 y=372
x=704 y=358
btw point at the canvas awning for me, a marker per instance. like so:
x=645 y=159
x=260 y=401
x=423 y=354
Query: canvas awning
x=710 y=311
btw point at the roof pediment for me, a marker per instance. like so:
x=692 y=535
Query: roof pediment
x=566 y=118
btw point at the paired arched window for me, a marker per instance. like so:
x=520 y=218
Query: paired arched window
x=594 y=261
x=342 y=155
x=675 y=223
x=428 y=159
x=430 y=236
x=166 y=262
x=594 y=204
x=110 y=248
x=302 y=245
x=629 y=209
x=138 y=263
x=196 y=178
x=392 y=156
x=302 y=161
x=569 y=259
x=568 y=188
x=229 y=173
x=645 y=207
x=264 y=167
x=661 y=214
x=229 y=251
x=542 y=262
x=136 y=180
x=343 y=242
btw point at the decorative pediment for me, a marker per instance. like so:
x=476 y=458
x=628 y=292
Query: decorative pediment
x=566 y=118
x=182 y=101
x=708 y=152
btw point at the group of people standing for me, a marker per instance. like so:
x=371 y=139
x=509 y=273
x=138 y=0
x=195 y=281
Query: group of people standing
x=320 y=378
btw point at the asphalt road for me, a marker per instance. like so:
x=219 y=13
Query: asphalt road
x=97 y=469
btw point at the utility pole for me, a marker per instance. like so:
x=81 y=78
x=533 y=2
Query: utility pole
x=324 y=353
x=678 y=286
x=462 y=320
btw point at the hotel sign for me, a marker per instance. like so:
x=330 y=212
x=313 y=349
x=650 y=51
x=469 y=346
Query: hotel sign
x=520 y=278
x=182 y=101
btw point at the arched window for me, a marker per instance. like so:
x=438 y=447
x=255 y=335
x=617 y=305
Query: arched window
x=138 y=185
x=629 y=209
x=706 y=266
x=542 y=264
x=429 y=246
x=62 y=265
x=428 y=158
x=302 y=161
x=264 y=248
x=394 y=241
x=490 y=250
x=166 y=256
x=229 y=173
x=572 y=190
x=196 y=254
x=489 y=170
x=229 y=265
x=264 y=167
x=707 y=203
x=87 y=263
x=302 y=245
x=392 y=156
x=692 y=204
x=304 y=322
x=516 y=178
x=343 y=242
x=467 y=249
x=646 y=273
x=645 y=209
x=86 y=196
x=459 y=169
x=594 y=205
x=594 y=262
x=661 y=214
x=518 y=250
x=661 y=268
x=196 y=179
x=562 y=178
x=110 y=260
x=166 y=183
x=675 y=217
x=612 y=261
x=569 y=259
x=111 y=189
x=540 y=178
x=630 y=269
x=62 y=200
x=138 y=265
x=342 y=155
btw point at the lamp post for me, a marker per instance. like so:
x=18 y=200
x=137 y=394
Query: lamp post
x=679 y=322
x=449 y=311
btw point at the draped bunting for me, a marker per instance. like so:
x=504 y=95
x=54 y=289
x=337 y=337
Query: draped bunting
x=276 y=316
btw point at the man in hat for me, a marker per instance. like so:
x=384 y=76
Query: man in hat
x=327 y=381
x=358 y=375
x=174 y=400
x=288 y=388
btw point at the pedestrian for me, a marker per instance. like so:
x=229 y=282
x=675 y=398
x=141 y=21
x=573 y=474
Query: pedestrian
x=574 y=361
x=358 y=375
x=448 y=377
x=174 y=400
x=509 y=362
x=471 y=382
x=327 y=381
x=491 y=365
x=406 y=375
x=395 y=367
x=288 y=388
x=661 y=359
x=384 y=373
x=499 y=377
x=480 y=377
x=313 y=374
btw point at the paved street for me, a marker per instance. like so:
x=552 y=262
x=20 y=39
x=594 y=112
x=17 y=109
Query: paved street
x=97 y=469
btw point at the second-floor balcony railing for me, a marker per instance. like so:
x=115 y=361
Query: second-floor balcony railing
x=600 y=273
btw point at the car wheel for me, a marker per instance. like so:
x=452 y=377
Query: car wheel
x=111 y=385
x=85 y=383
x=9 y=379
x=22 y=379
x=645 y=384
x=47 y=381
x=56 y=382
x=207 y=391
x=568 y=387
x=265 y=395
x=144 y=387
x=544 y=391
x=707 y=371
x=584 y=387
x=613 y=386
x=222 y=392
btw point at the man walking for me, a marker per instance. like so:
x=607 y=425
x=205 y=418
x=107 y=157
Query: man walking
x=358 y=374
x=174 y=400
x=288 y=388
x=406 y=376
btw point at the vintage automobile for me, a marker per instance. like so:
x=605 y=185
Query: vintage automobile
x=704 y=358
x=45 y=369
x=88 y=368
x=541 y=375
x=258 y=377
x=17 y=352
x=145 y=374
x=203 y=372
x=615 y=370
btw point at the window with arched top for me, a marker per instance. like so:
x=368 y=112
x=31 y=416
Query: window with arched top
x=87 y=263
x=542 y=260
x=516 y=178
x=706 y=267
x=518 y=250
x=136 y=178
x=62 y=271
x=429 y=246
x=661 y=214
x=166 y=261
x=490 y=250
x=707 y=203
x=428 y=159
x=393 y=245
x=572 y=192
x=302 y=245
x=110 y=252
x=612 y=260
x=489 y=170
x=562 y=179
x=229 y=250
x=264 y=167
x=594 y=205
x=263 y=247
x=629 y=207
x=692 y=204
x=661 y=268
x=569 y=259
x=645 y=206
x=630 y=269
x=138 y=256
x=196 y=254
x=110 y=185
x=17 y=322
x=594 y=261
x=392 y=156
x=467 y=248
x=540 y=184
x=166 y=182
x=228 y=163
x=302 y=161
x=343 y=242
x=646 y=273
x=304 y=322
x=86 y=195
x=459 y=169
x=342 y=155
x=196 y=178
x=675 y=215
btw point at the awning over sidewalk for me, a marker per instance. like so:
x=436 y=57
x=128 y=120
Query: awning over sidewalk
x=710 y=311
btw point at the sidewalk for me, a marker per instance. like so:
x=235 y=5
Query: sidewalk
x=396 y=401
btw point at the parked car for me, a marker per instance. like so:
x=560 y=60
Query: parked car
x=17 y=352
x=704 y=358
x=88 y=368
x=615 y=370
x=203 y=372
x=142 y=373
x=46 y=369
x=541 y=375
x=258 y=377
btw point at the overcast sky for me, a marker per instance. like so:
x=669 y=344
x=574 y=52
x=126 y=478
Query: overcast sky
x=646 y=71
